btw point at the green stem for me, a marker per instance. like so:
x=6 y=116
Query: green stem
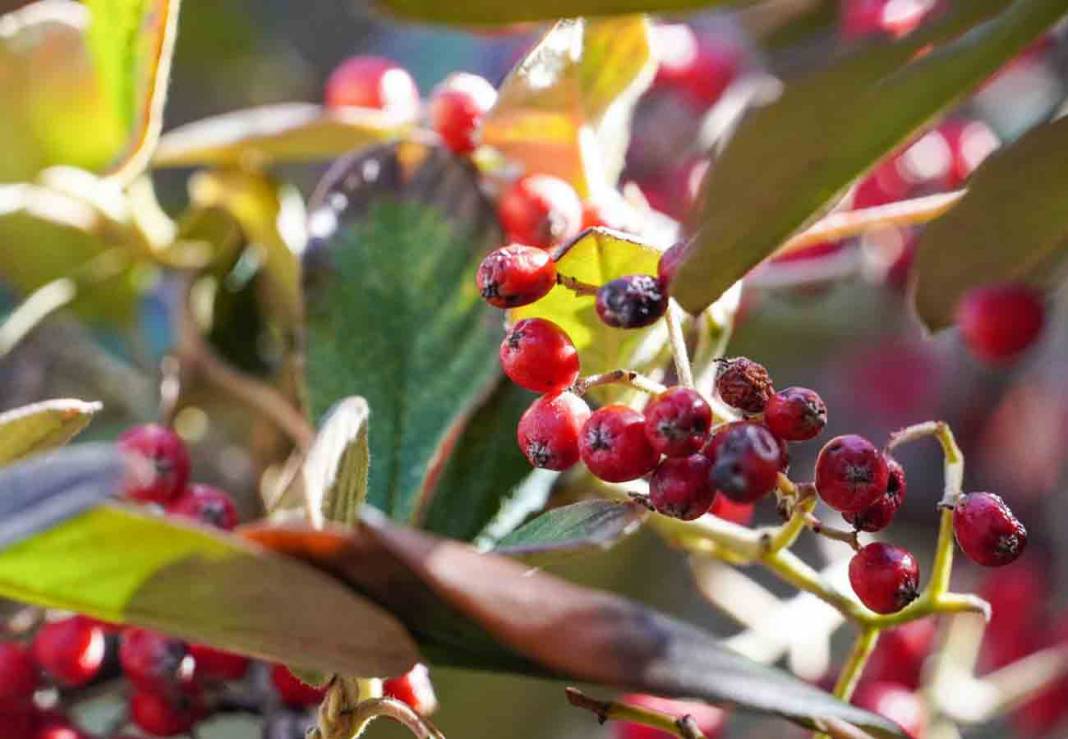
x=854 y=666
x=681 y=726
x=677 y=338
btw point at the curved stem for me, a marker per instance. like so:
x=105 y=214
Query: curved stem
x=576 y=286
x=673 y=318
x=630 y=378
x=854 y=666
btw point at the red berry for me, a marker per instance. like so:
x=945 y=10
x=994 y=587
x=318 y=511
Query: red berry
x=633 y=301
x=457 y=107
x=851 y=474
x=744 y=384
x=54 y=725
x=162 y=714
x=18 y=721
x=18 y=674
x=745 y=458
x=899 y=704
x=372 y=82
x=796 y=414
x=987 y=531
x=413 y=688
x=970 y=142
x=292 y=690
x=154 y=662
x=70 y=650
x=549 y=430
x=538 y=355
x=216 y=664
x=677 y=422
x=680 y=487
x=516 y=275
x=169 y=463
x=999 y=321
x=540 y=210
x=700 y=69
x=614 y=446
x=725 y=508
x=668 y=266
x=886 y=578
x=878 y=515
x=901 y=652
x=710 y=720
x=206 y=504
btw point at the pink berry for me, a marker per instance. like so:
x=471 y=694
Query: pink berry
x=164 y=714
x=744 y=384
x=987 y=531
x=725 y=508
x=677 y=422
x=292 y=690
x=516 y=275
x=413 y=688
x=154 y=662
x=540 y=210
x=998 y=322
x=215 y=664
x=633 y=301
x=549 y=430
x=70 y=650
x=680 y=487
x=18 y=674
x=372 y=82
x=879 y=514
x=897 y=703
x=206 y=504
x=538 y=355
x=457 y=107
x=851 y=474
x=168 y=463
x=745 y=458
x=709 y=719
x=614 y=446
x=796 y=414
x=885 y=577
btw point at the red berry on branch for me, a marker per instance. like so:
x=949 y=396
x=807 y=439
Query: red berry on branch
x=516 y=275
x=164 y=714
x=292 y=690
x=744 y=384
x=167 y=458
x=18 y=720
x=633 y=301
x=851 y=474
x=206 y=504
x=796 y=414
x=897 y=703
x=879 y=514
x=372 y=82
x=540 y=210
x=987 y=531
x=725 y=508
x=70 y=650
x=998 y=322
x=709 y=719
x=154 y=662
x=18 y=674
x=885 y=577
x=680 y=487
x=538 y=355
x=414 y=688
x=614 y=446
x=216 y=664
x=745 y=458
x=548 y=431
x=457 y=107
x=677 y=422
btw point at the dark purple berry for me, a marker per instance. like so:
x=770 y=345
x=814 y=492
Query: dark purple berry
x=633 y=301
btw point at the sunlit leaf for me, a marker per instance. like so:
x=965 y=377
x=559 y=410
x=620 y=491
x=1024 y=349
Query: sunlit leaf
x=576 y=528
x=334 y=474
x=42 y=426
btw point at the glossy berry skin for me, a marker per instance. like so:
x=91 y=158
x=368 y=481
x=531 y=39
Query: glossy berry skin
x=549 y=430
x=998 y=322
x=796 y=414
x=987 y=531
x=677 y=422
x=457 y=106
x=851 y=474
x=540 y=210
x=669 y=263
x=725 y=508
x=633 y=301
x=895 y=702
x=879 y=514
x=516 y=275
x=372 y=82
x=70 y=650
x=164 y=714
x=744 y=384
x=168 y=463
x=538 y=355
x=413 y=688
x=886 y=578
x=206 y=504
x=215 y=664
x=154 y=662
x=292 y=690
x=680 y=487
x=18 y=674
x=745 y=458
x=613 y=444
x=710 y=720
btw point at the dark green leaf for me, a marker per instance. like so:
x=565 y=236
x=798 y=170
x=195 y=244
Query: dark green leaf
x=591 y=524
x=501 y=11
x=791 y=160
x=40 y=427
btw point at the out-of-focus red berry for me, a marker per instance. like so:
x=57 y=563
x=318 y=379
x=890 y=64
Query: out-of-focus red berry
x=168 y=463
x=372 y=82
x=164 y=714
x=18 y=674
x=216 y=664
x=292 y=690
x=413 y=688
x=152 y=661
x=54 y=725
x=899 y=656
x=970 y=142
x=540 y=210
x=700 y=68
x=457 y=107
x=206 y=504
x=998 y=322
x=70 y=650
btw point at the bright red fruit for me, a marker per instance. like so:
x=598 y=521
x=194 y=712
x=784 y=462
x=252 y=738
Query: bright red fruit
x=744 y=384
x=614 y=446
x=54 y=725
x=206 y=504
x=548 y=431
x=457 y=106
x=796 y=414
x=680 y=487
x=677 y=422
x=710 y=720
x=540 y=210
x=70 y=650
x=879 y=514
x=899 y=704
x=154 y=662
x=851 y=474
x=215 y=664
x=162 y=714
x=516 y=275
x=168 y=468
x=18 y=674
x=292 y=690
x=538 y=355
x=885 y=577
x=746 y=458
x=372 y=82
x=725 y=508
x=413 y=688
x=700 y=69
x=998 y=322
x=987 y=531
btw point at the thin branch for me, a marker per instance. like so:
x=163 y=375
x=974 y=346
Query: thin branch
x=682 y=726
x=630 y=378
x=576 y=286
x=677 y=339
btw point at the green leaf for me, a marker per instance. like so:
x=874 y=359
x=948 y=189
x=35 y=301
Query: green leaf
x=335 y=470
x=286 y=132
x=500 y=11
x=565 y=109
x=1011 y=225
x=393 y=312
x=597 y=256
x=42 y=426
x=576 y=528
x=791 y=160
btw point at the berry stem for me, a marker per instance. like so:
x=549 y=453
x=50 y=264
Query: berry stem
x=683 y=726
x=343 y=714
x=677 y=338
x=630 y=378
x=848 y=678
x=575 y=285
x=831 y=532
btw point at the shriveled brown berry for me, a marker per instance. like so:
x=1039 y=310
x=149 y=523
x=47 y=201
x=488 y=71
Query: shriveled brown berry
x=744 y=384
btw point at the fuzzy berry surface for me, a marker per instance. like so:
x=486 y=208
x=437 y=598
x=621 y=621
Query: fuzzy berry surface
x=710 y=720
x=677 y=422
x=70 y=650
x=538 y=355
x=680 y=487
x=206 y=504
x=18 y=674
x=516 y=275
x=164 y=714
x=540 y=210
x=548 y=431
x=292 y=690
x=613 y=444
x=879 y=514
x=851 y=474
x=998 y=322
x=745 y=458
x=167 y=468
x=632 y=301
x=744 y=384
x=457 y=107
x=885 y=577
x=372 y=82
x=987 y=530
x=796 y=414
x=154 y=662
x=413 y=688
x=895 y=702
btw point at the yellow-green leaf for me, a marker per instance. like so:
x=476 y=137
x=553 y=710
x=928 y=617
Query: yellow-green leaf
x=42 y=426
x=334 y=473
